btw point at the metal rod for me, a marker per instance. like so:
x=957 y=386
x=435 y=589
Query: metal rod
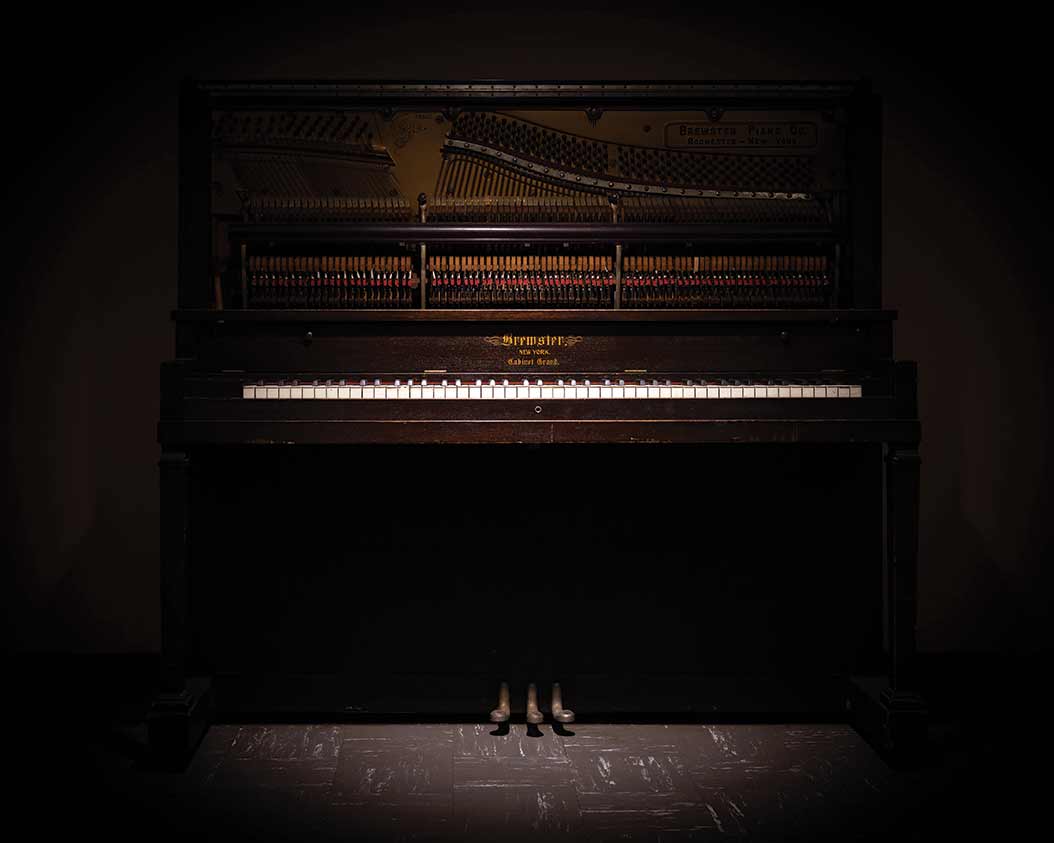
x=432 y=232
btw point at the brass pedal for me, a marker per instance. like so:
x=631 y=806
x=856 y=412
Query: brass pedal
x=534 y=716
x=501 y=713
x=560 y=714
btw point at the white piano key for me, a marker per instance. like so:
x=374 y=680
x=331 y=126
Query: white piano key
x=402 y=392
x=856 y=391
x=558 y=391
x=808 y=392
x=308 y=393
x=652 y=391
x=605 y=392
x=547 y=392
x=521 y=392
x=248 y=392
x=333 y=392
x=355 y=393
x=487 y=393
x=344 y=392
x=462 y=392
x=581 y=392
x=736 y=392
x=475 y=392
x=367 y=392
x=415 y=392
x=724 y=392
x=618 y=392
x=296 y=392
x=678 y=391
x=535 y=392
x=713 y=392
x=428 y=393
x=593 y=391
x=795 y=392
x=664 y=392
x=270 y=391
x=784 y=392
x=449 y=393
x=748 y=391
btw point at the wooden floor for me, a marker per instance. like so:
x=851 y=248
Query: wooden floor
x=625 y=782
x=74 y=745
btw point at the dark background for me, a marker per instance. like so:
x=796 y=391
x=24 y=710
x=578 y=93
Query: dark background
x=91 y=108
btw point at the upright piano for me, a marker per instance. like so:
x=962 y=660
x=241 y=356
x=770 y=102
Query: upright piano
x=555 y=342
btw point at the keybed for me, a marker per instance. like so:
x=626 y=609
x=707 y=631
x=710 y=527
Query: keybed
x=539 y=389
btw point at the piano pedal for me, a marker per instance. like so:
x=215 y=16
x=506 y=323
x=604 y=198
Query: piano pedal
x=501 y=713
x=534 y=716
x=560 y=714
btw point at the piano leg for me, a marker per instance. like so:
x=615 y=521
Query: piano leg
x=181 y=712
x=895 y=718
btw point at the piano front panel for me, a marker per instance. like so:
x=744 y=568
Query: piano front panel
x=488 y=343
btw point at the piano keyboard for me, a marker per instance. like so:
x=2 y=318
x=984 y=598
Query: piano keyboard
x=457 y=389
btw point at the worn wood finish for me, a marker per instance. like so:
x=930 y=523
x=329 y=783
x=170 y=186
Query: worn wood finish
x=636 y=782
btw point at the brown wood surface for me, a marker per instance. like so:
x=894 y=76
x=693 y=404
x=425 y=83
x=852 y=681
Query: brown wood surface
x=595 y=782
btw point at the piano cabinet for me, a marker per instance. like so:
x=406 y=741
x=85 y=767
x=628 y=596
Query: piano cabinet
x=616 y=276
